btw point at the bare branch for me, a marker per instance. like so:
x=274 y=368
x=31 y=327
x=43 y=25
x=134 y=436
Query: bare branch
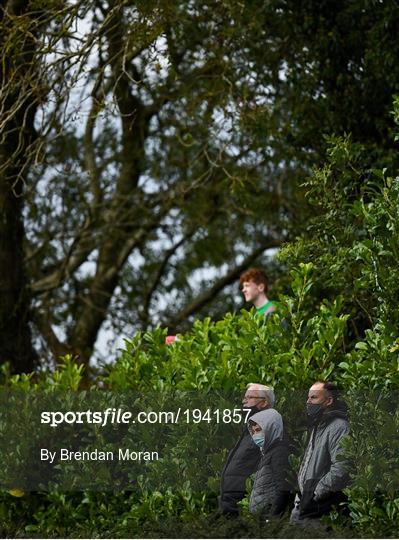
x=90 y=157
x=43 y=324
x=97 y=300
x=78 y=253
x=158 y=276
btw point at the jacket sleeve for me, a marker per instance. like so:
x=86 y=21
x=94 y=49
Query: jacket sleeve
x=283 y=482
x=337 y=476
x=242 y=461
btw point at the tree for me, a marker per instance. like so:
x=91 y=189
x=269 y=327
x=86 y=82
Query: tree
x=97 y=197
x=18 y=108
x=164 y=139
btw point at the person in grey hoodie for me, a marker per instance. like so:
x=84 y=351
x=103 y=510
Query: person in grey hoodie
x=243 y=458
x=322 y=474
x=272 y=490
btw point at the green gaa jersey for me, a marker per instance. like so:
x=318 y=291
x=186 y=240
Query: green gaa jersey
x=268 y=308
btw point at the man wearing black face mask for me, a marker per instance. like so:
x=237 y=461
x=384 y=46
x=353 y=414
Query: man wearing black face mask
x=322 y=476
x=244 y=457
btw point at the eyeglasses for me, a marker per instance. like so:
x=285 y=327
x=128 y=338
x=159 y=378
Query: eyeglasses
x=246 y=398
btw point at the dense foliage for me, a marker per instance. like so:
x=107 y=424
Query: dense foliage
x=149 y=152
x=152 y=150
x=337 y=319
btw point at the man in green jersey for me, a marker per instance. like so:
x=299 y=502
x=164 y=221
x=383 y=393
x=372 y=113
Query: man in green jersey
x=254 y=285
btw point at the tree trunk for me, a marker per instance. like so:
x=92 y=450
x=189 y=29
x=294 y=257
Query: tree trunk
x=18 y=107
x=15 y=334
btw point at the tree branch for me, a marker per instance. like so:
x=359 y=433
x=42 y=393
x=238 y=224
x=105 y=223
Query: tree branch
x=43 y=324
x=204 y=298
x=82 y=246
x=90 y=157
x=95 y=303
x=158 y=276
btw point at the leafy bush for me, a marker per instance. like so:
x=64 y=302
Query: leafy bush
x=338 y=320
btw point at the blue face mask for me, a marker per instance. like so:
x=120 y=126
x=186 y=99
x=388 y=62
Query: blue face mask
x=259 y=440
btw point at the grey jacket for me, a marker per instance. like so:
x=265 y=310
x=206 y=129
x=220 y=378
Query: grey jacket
x=322 y=475
x=271 y=492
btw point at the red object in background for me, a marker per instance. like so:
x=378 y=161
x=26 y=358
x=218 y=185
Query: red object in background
x=170 y=339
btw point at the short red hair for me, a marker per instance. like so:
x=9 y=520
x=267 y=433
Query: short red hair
x=257 y=275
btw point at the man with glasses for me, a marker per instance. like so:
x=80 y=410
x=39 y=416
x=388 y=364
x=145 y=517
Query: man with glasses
x=244 y=457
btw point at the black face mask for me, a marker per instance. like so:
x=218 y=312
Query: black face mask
x=253 y=410
x=313 y=408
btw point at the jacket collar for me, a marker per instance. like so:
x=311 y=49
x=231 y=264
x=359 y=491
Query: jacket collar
x=338 y=409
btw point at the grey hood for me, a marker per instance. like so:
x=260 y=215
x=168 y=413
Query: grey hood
x=271 y=423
